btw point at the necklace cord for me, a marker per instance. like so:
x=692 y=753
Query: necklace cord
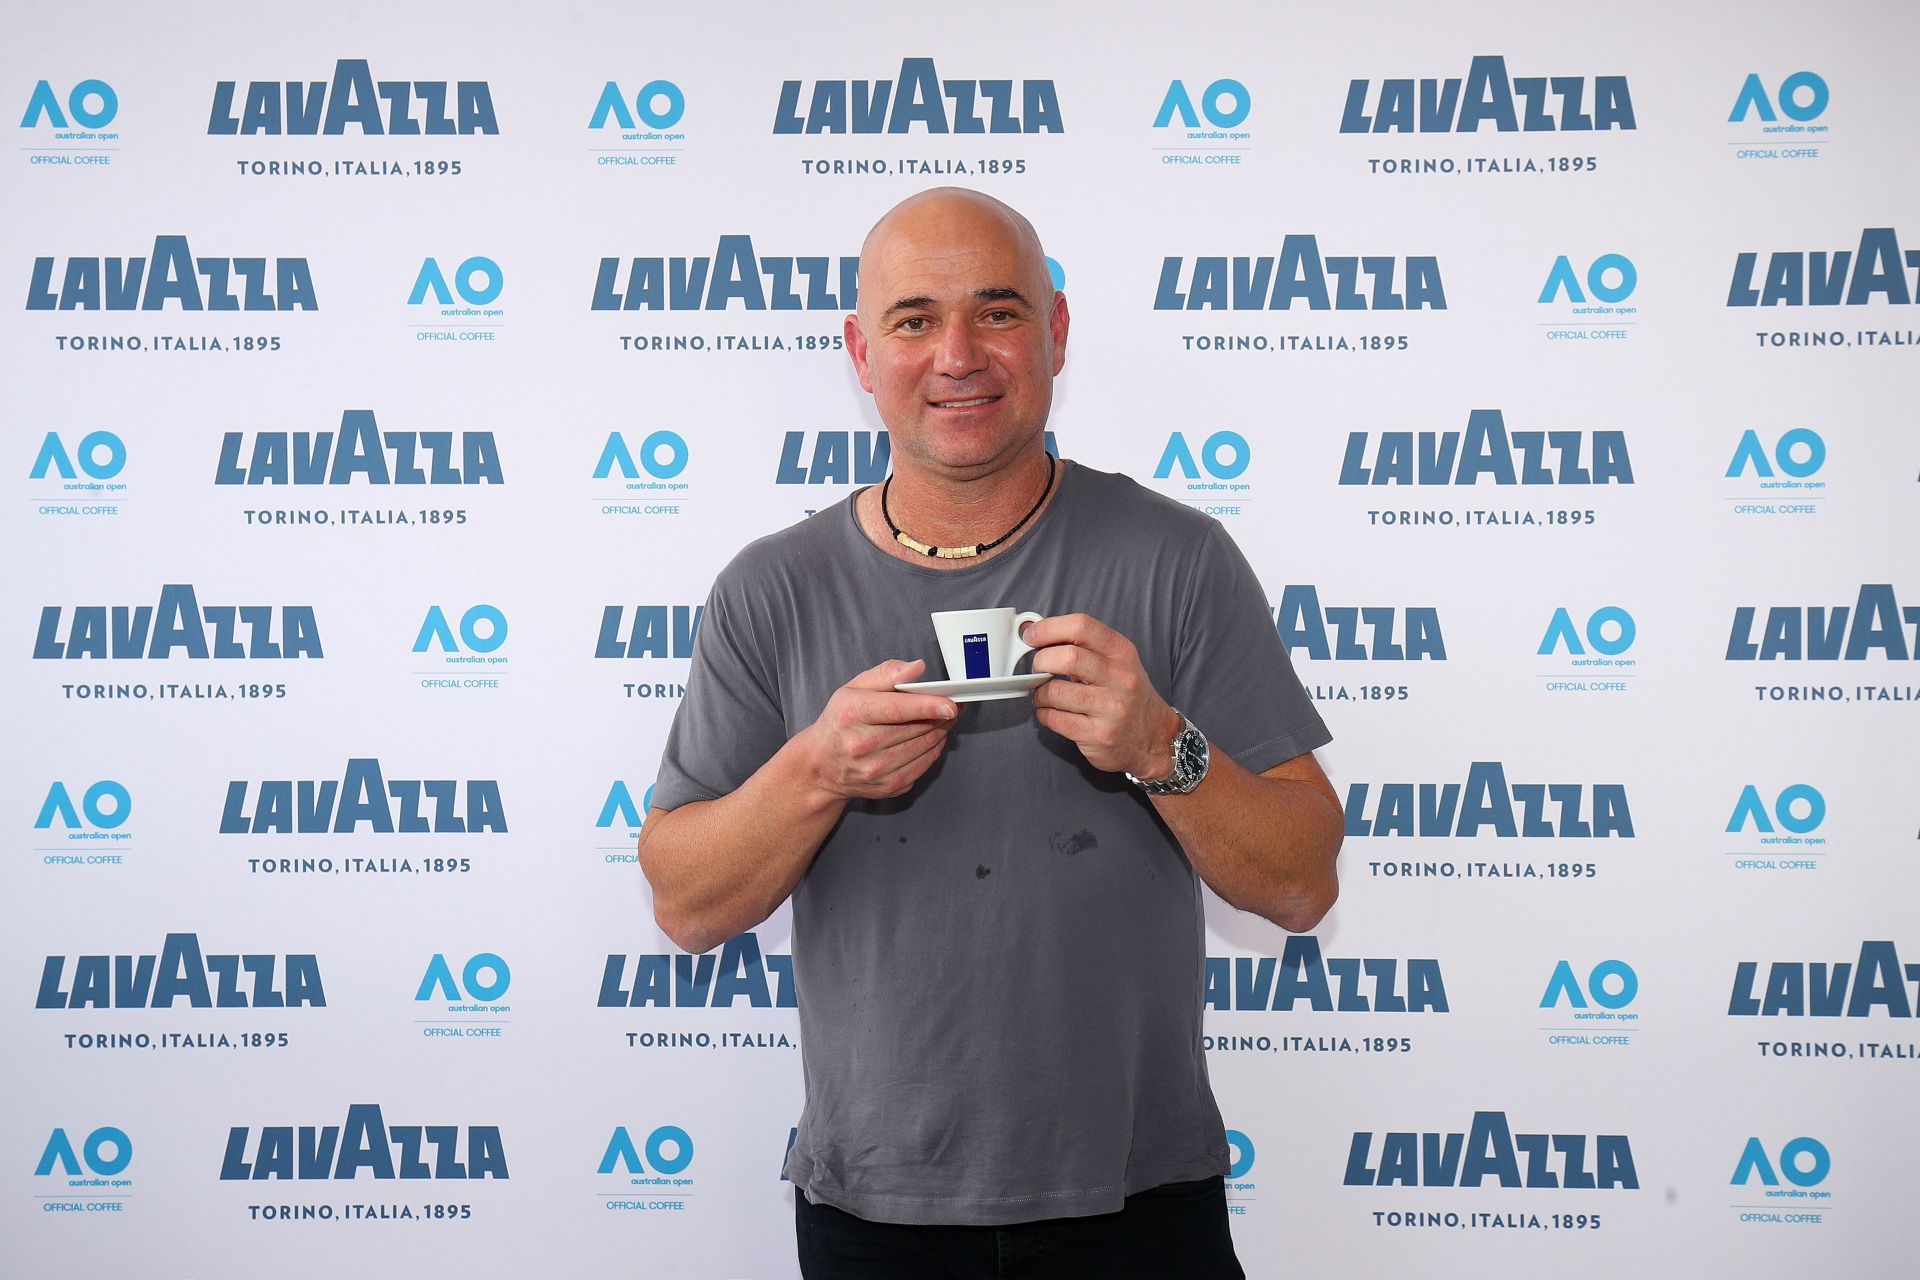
x=965 y=553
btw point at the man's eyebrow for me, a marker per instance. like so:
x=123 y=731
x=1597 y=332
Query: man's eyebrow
x=994 y=293
x=908 y=304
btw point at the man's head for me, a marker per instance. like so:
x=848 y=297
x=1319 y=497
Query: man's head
x=960 y=331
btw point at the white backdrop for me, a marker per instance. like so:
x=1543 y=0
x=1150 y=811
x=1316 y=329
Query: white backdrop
x=1740 y=1121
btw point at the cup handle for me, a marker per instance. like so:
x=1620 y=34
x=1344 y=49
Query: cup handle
x=1019 y=648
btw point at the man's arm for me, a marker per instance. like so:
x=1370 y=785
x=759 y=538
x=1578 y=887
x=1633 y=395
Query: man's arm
x=1264 y=842
x=718 y=867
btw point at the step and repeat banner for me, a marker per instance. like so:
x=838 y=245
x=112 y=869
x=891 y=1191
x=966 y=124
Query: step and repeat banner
x=385 y=385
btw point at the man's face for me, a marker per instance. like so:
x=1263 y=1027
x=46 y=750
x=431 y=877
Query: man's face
x=959 y=336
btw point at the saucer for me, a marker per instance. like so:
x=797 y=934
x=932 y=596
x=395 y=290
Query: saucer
x=979 y=690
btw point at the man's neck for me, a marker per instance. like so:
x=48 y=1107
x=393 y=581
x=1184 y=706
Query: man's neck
x=944 y=512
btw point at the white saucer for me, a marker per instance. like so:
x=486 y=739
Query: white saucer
x=987 y=690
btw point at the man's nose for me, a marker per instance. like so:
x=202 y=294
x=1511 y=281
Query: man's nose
x=961 y=353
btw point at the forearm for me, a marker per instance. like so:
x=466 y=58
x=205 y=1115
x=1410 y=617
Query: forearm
x=1264 y=844
x=718 y=867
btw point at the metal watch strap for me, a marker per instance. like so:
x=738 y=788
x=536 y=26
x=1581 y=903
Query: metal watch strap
x=1191 y=755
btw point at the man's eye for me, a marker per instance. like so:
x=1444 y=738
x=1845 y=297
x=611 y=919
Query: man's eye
x=914 y=324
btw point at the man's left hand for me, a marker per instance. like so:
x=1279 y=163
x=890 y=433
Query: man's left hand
x=1100 y=698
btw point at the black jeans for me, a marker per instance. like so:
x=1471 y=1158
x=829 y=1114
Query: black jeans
x=1175 y=1232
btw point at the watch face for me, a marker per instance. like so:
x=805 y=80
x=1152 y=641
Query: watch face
x=1190 y=753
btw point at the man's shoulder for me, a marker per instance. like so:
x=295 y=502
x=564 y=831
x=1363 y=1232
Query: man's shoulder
x=1118 y=500
x=801 y=549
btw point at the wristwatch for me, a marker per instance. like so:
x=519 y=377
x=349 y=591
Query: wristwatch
x=1190 y=757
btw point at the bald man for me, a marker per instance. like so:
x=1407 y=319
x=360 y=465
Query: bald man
x=997 y=929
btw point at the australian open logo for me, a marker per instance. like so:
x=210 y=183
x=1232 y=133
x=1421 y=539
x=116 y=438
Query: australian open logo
x=80 y=475
x=86 y=823
x=1781 y=119
x=622 y=815
x=1589 y=651
x=641 y=129
x=1778 y=830
x=643 y=475
x=648 y=1170
x=1777 y=474
x=460 y=648
x=465 y=999
x=1782 y=1184
x=1590 y=301
x=1591 y=1005
x=1203 y=126
x=70 y=126
x=1208 y=472
x=86 y=1171
x=463 y=296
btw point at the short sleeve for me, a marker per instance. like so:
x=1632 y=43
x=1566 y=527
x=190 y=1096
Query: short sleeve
x=1232 y=676
x=730 y=722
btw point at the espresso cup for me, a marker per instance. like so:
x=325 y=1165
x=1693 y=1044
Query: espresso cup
x=981 y=644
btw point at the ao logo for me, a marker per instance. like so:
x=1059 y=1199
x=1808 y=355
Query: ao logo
x=101 y=455
x=1610 y=631
x=1565 y=986
x=1057 y=274
x=659 y=104
x=1802 y=96
x=663 y=454
x=1610 y=278
x=44 y=105
x=1242 y=1147
x=1225 y=454
x=1799 y=453
x=432 y=280
x=1225 y=103
x=94 y=803
x=1800 y=808
x=1804 y=1162
x=669 y=1150
x=620 y=805
x=435 y=631
x=484 y=978
x=60 y=1151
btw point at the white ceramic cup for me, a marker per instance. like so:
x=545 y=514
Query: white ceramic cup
x=981 y=644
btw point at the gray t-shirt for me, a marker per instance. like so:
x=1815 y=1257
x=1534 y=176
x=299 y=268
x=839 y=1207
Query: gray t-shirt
x=999 y=974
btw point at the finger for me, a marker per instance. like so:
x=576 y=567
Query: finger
x=1075 y=663
x=1075 y=628
x=871 y=740
x=884 y=677
x=1070 y=725
x=1064 y=695
x=902 y=708
x=895 y=760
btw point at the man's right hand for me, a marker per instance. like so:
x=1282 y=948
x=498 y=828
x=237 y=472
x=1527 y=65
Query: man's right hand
x=872 y=743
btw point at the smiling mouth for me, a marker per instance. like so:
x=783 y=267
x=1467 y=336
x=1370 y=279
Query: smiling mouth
x=963 y=404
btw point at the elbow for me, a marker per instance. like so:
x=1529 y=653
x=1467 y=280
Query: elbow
x=1303 y=914
x=1307 y=905
x=685 y=933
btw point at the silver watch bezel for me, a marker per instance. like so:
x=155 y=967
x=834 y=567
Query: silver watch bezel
x=1183 y=778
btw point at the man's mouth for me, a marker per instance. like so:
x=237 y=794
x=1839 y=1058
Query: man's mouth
x=963 y=404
